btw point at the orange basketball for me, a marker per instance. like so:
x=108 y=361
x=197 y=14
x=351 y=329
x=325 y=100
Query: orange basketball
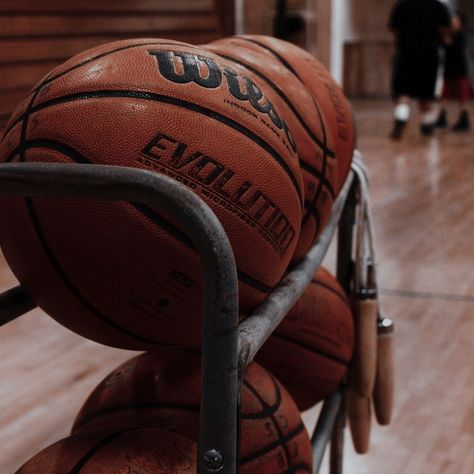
x=308 y=126
x=312 y=347
x=321 y=85
x=123 y=273
x=163 y=389
x=108 y=451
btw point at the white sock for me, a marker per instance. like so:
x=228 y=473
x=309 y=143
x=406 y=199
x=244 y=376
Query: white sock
x=402 y=112
x=429 y=118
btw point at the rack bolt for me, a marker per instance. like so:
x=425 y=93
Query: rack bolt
x=213 y=460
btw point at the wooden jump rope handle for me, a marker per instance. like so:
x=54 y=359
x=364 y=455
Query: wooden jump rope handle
x=364 y=367
x=359 y=414
x=385 y=379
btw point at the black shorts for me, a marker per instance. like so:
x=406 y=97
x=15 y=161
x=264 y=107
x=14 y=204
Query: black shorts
x=418 y=73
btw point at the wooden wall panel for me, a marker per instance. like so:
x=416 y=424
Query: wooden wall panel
x=367 y=68
x=36 y=36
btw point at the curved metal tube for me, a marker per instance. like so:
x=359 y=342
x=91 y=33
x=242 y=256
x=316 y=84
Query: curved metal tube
x=219 y=351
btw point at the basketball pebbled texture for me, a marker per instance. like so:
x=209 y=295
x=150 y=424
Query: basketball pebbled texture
x=124 y=274
x=321 y=85
x=309 y=127
x=108 y=451
x=312 y=347
x=163 y=389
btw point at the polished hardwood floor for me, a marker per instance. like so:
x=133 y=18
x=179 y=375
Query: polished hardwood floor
x=424 y=209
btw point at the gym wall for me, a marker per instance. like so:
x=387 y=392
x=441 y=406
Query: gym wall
x=36 y=36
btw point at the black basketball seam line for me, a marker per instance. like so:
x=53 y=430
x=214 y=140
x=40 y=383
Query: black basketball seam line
x=154 y=97
x=143 y=209
x=290 y=68
x=323 y=168
x=76 y=469
x=275 y=444
x=136 y=406
x=310 y=348
x=280 y=93
x=313 y=211
x=75 y=291
x=341 y=296
x=48 y=79
x=317 y=174
x=281 y=441
x=267 y=410
x=270 y=50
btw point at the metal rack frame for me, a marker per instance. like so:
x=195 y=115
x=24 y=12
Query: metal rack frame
x=227 y=346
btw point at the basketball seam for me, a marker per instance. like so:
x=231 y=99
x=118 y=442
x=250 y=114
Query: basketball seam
x=154 y=97
x=323 y=284
x=314 y=172
x=89 y=454
x=270 y=50
x=282 y=439
x=304 y=345
x=48 y=79
x=312 y=209
x=136 y=406
x=324 y=162
x=280 y=93
x=275 y=444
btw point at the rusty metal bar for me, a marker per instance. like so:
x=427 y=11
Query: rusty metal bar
x=255 y=330
x=218 y=443
x=324 y=427
x=14 y=303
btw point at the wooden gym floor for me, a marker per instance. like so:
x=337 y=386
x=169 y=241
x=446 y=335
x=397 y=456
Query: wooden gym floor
x=424 y=209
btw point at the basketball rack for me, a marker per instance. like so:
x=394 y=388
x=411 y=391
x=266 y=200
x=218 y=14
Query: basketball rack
x=227 y=345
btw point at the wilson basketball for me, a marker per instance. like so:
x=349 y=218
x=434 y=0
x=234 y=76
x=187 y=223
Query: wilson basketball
x=116 y=451
x=123 y=273
x=151 y=390
x=308 y=125
x=312 y=347
x=321 y=85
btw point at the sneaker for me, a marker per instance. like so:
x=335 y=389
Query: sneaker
x=463 y=124
x=427 y=129
x=398 y=128
x=442 y=121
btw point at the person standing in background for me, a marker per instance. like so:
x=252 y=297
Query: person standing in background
x=420 y=28
x=457 y=86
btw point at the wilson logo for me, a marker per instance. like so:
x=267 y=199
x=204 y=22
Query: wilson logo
x=183 y=68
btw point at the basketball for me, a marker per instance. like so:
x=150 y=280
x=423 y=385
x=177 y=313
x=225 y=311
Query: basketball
x=312 y=347
x=150 y=390
x=122 y=273
x=106 y=451
x=309 y=128
x=320 y=84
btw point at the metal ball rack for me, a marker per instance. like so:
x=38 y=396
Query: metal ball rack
x=227 y=345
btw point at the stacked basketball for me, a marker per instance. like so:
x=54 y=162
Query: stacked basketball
x=258 y=129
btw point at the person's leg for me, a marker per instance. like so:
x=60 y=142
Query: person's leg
x=401 y=114
x=429 y=114
x=463 y=123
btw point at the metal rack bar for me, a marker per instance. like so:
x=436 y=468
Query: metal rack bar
x=14 y=303
x=255 y=330
x=226 y=347
x=219 y=404
x=324 y=426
